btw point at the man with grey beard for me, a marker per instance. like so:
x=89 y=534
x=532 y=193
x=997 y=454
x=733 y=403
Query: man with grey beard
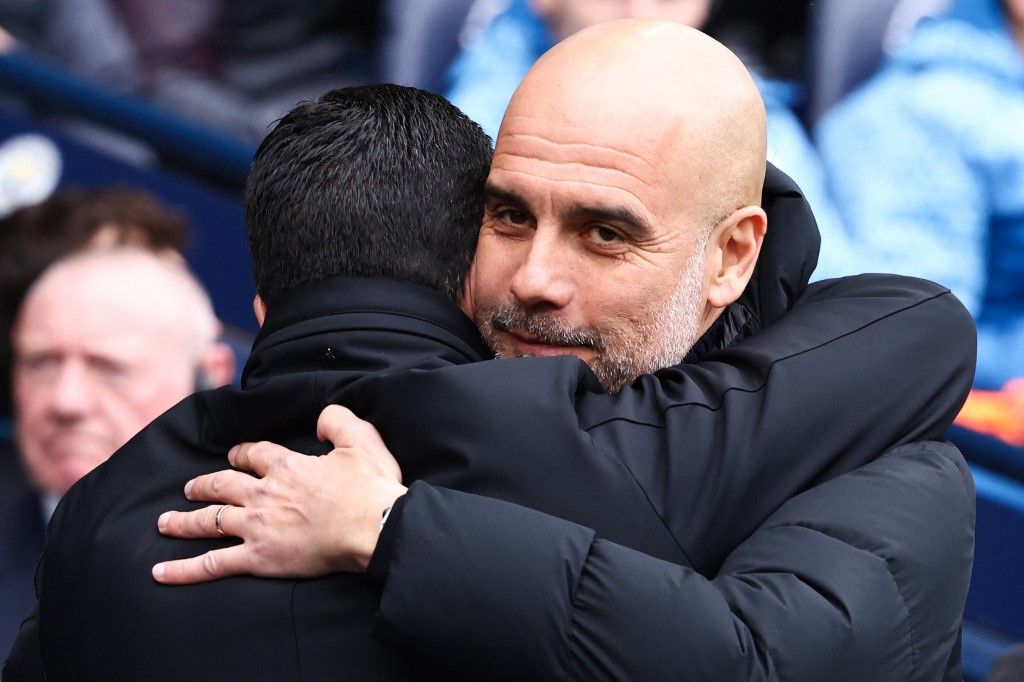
x=707 y=522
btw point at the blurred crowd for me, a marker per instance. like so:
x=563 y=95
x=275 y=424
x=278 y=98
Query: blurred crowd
x=911 y=153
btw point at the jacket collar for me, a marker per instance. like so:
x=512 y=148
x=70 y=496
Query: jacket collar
x=356 y=322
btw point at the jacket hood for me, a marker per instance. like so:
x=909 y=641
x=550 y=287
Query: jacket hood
x=789 y=255
x=974 y=35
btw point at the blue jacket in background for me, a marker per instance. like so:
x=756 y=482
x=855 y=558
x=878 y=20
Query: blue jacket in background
x=492 y=64
x=927 y=170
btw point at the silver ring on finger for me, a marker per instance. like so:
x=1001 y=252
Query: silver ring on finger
x=216 y=520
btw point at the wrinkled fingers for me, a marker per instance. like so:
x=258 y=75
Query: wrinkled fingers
x=227 y=487
x=260 y=458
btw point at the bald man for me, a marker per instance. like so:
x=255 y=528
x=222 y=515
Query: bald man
x=632 y=238
x=104 y=343
x=665 y=481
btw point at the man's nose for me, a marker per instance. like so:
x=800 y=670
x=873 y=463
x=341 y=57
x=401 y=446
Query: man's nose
x=543 y=277
x=70 y=391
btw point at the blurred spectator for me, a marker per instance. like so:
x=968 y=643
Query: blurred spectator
x=927 y=166
x=505 y=37
x=34 y=237
x=73 y=219
x=105 y=341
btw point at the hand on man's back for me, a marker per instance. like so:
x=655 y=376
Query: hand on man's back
x=298 y=516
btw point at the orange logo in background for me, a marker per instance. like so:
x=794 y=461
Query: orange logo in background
x=996 y=413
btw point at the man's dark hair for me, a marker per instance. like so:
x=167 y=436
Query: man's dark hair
x=370 y=181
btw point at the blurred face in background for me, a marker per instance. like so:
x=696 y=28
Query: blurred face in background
x=565 y=17
x=1016 y=10
x=99 y=352
x=1015 y=13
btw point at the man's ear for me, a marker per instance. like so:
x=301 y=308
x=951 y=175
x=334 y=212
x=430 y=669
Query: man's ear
x=259 y=308
x=737 y=243
x=216 y=366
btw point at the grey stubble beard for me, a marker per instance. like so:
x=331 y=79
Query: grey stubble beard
x=656 y=339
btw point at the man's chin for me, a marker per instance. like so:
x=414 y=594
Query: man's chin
x=71 y=472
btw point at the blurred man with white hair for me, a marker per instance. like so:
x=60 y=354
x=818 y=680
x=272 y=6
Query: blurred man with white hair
x=105 y=341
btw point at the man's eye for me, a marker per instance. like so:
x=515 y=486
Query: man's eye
x=514 y=216
x=37 y=364
x=604 y=235
x=109 y=370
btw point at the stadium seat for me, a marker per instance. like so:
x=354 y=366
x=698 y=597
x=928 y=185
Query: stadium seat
x=847 y=41
x=419 y=40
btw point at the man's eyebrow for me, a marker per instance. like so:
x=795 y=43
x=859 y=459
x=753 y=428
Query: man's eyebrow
x=495 y=193
x=635 y=225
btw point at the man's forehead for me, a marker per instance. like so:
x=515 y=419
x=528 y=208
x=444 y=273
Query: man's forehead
x=113 y=327
x=566 y=145
x=93 y=340
x=589 y=166
x=602 y=139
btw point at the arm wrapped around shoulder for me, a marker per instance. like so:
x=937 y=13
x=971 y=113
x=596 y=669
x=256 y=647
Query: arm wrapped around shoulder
x=862 y=577
x=921 y=335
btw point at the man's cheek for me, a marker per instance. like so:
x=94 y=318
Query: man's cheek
x=483 y=289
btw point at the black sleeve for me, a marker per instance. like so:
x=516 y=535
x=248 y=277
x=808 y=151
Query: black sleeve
x=858 y=366
x=718 y=447
x=863 y=577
